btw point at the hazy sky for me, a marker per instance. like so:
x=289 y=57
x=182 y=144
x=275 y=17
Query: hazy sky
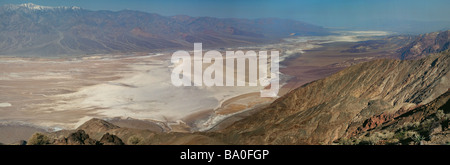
x=322 y=12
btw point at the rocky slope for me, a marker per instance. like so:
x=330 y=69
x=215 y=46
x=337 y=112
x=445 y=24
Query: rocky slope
x=325 y=110
x=425 y=124
x=425 y=44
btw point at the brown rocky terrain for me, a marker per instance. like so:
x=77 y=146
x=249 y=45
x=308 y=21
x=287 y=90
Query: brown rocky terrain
x=425 y=124
x=325 y=110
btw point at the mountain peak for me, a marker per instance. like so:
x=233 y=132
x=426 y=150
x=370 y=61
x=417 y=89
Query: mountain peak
x=32 y=6
x=97 y=125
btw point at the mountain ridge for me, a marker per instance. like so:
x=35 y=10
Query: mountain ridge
x=425 y=44
x=32 y=6
x=325 y=110
x=71 y=30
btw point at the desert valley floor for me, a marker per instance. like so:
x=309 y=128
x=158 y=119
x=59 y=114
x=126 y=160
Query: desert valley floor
x=50 y=94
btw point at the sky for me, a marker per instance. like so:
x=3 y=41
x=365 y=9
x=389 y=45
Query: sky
x=328 y=13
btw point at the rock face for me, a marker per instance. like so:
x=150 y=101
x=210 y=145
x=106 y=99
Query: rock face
x=325 y=110
x=426 y=44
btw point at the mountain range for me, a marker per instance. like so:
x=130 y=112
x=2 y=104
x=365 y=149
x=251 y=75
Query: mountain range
x=30 y=29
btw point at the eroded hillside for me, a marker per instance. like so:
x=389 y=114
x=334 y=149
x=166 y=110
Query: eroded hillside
x=325 y=110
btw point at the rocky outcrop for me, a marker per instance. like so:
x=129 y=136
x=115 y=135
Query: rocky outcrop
x=378 y=120
x=425 y=124
x=77 y=138
x=80 y=137
x=108 y=139
x=424 y=112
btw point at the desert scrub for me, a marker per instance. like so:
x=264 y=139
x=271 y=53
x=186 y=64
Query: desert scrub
x=409 y=137
x=440 y=115
x=134 y=140
x=384 y=135
x=410 y=126
x=369 y=140
x=376 y=138
x=38 y=139
x=417 y=138
x=443 y=118
x=345 y=141
x=392 y=142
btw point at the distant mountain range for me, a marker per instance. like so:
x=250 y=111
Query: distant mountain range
x=409 y=46
x=30 y=29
